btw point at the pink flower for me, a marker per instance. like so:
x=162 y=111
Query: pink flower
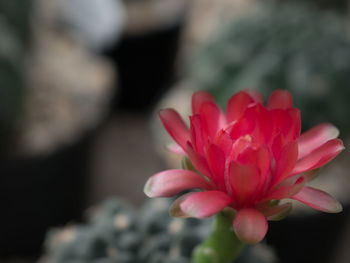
x=246 y=158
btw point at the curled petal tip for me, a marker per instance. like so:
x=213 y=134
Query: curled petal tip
x=147 y=189
x=337 y=208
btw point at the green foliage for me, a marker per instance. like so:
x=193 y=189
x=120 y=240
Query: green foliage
x=282 y=46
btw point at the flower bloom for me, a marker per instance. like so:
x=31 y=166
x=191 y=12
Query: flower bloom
x=247 y=158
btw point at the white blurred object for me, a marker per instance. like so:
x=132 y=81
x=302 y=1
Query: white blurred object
x=146 y=16
x=68 y=87
x=98 y=23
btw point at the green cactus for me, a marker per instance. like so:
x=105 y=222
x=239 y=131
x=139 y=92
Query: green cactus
x=116 y=233
x=14 y=41
x=282 y=46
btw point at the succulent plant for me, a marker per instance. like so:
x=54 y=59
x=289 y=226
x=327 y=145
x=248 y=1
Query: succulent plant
x=286 y=46
x=117 y=233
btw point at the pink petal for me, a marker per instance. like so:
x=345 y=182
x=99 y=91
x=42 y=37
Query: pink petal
x=282 y=121
x=250 y=225
x=319 y=157
x=171 y=182
x=287 y=122
x=255 y=95
x=198 y=98
x=237 y=105
x=224 y=142
x=216 y=161
x=258 y=157
x=244 y=180
x=296 y=123
x=175 y=148
x=286 y=191
x=286 y=162
x=280 y=99
x=199 y=162
x=278 y=143
x=175 y=126
x=200 y=204
x=318 y=200
x=264 y=128
x=242 y=127
x=197 y=136
x=276 y=212
x=315 y=137
x=239 y=146
x=212 y=119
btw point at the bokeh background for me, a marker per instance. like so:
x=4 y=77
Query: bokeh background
x=81 y=82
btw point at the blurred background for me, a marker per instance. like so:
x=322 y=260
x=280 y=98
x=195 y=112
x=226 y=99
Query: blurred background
x=81 y=82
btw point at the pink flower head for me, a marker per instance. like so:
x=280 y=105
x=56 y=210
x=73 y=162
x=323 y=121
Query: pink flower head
x=246 y=158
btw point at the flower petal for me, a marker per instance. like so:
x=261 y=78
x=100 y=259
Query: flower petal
x=216 y=161
x=286 y=162
x=200 y=204
x=242 y=127
x=264 y=128
x=286 y=191
x=198 y=98
x=278 y=143
x=295 y=128
x=255 y=95
x=197 y=136
x=287 y=122
x=212 y=119
x=198 y=161
x=319 y=157
x=224 y=142
x=250 y=225
x=175 y=126
x=280 y=99
x=237 y=105
x=175 y=148
x=171 y=182
x=318 y=200
x=258 y=157
x=315 y=137
x=244 y=180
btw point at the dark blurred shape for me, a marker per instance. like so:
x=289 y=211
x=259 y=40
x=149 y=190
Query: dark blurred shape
x=296 y=239
x=39 y=192
x=146 y=67
x=146 y=53
x=15 y=37
x=339 y=5
x=282 y=46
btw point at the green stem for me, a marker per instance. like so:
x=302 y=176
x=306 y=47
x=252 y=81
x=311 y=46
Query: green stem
x=222 y=245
